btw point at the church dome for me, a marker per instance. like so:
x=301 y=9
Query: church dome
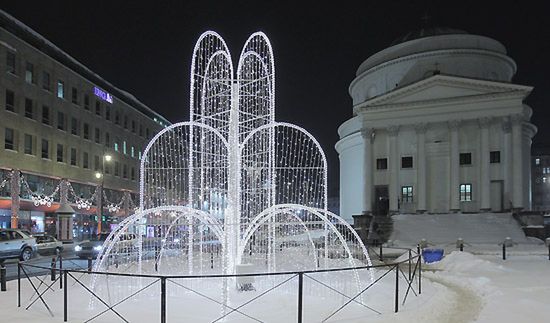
x=431 y=50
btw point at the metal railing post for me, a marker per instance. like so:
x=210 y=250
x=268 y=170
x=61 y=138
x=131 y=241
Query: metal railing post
x=163 y=299
x=211 y=260
x=410 y=255
x=419 y=275
x=504 y=251
x=300 y=295
x=3 y=277
x=89 y=264
x=380 y=256
x=18 y=284
x=52 y=270
x=396 y=288
x=65 y=291
x=60 y=271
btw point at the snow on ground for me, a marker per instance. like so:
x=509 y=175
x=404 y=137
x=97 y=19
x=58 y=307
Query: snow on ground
x=473 y=286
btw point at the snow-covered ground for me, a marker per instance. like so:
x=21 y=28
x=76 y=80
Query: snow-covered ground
x=476 y=286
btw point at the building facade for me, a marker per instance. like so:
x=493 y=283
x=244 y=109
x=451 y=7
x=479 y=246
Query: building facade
x=540 y=179
x=58 y=123
x=438 y=126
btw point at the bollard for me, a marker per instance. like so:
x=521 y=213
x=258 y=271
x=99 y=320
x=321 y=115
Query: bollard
x=396 y=288
x=65 y=296
x=53 y=269
x=163 y=299
x=300 y=297
x=211 y=260
x=381 y=257
x=460 y=244
x=3 y=277
x=60 y=271
x=503 y=251
x=410 y=255
x=89 y=264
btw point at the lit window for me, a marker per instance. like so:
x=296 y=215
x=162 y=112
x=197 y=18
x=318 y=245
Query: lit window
x=537 y=161
x=465 y=192
x=544 y=179
x=60 y=89
x=124 y=147
x=29 y=73
x=139 y=155
x=407 y=194
x=132 y=151
x=116 y=146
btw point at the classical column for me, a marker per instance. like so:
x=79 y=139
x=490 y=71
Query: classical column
x=485 y=178
x=455 y=167
x=517 y=162
x=368 y=138
x=126 y=203
x=394 y=170
x=421 y=167
x=507 y=163
x=15 y=182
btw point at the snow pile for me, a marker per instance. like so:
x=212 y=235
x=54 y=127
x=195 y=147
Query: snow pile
x=409 y=229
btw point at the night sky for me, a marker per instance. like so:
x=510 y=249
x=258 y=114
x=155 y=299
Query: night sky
x=146 y=49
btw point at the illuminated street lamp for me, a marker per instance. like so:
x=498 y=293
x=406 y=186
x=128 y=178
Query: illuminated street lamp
x=99 y=175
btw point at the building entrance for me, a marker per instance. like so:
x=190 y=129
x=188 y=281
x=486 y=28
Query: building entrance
x=381 y=200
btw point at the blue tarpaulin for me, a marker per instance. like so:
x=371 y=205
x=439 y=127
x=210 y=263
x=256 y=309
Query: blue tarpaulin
x=432 y=255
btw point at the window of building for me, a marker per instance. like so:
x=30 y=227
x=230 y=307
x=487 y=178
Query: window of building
x=465 y=158
x=141 y=130
x=10 y=62
x=60 y=89
x=97 y=108
x=116 y=146
x=537 y=161
x=107 y=114
x=125 y=122
x=45 y=114
x=133 y=173
x=124 y=147
x=73 y=156
x=407 y=162
x=74 y=95
x=9 y=139
x=544 y=179
x=97 y=136
x=74 y=126
x=10 y=101
x=60 y=120
x=117 y=168
x=125 y=171
x=29 y=73
x=139 y=155
x=117 y=117
x=46 y=80
x=86 y=131
x=133 y=126
x=85 y=160
x=45 y=149
x=132 y=151
x=407 y=194
x=28 y=108
x=147 y=133
x=86 y=102
x=465 y=192
x=96 y=163
x=381 y=163
x=60 y=153
x=495 y=157
x=546 y=170
x=107 y=169
x=107 y=140
x=28 y=144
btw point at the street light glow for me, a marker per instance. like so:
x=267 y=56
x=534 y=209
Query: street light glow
x=108 y=158
x=98 y=175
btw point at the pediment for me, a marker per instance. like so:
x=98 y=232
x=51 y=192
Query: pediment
x=445 y=87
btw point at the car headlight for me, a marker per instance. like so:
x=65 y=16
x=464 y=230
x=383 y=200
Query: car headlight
x=77 y=248
x=98 y=248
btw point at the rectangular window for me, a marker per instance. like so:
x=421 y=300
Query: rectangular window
x=407 y=162
x=139 y=155
x=46 y=80
x=132 y=152
x=9 y=139
x=86 y=131
x=60 y=153
x=45 y=149
x=96 y=163
x=28 y=108
x=86 y=102
x=147 y=133
x=107 y=114
x=495 y=157
x=28 y=144
x=10 y=101
x=117 y=168
x=60 y=121
x=60 y=89
x=97 y=136
x=107 y=140
x=116 y=146
x=117 y=118
x=10 y=62
x=465 y=192
x=125 y=171
x=465 y=158
x=45 y=114
x=133 y=126
x=407 y=194
x=85 y=160
x=125 y=122
x=133 y=174
x=124 y=147
x=74 y=126
x=537 y=161
x=97 y=108
x=73 y=156
x=29 y=73
x=74 y=95
x=381 y=163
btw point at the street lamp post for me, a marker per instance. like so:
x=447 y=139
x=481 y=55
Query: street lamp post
x=98 y=175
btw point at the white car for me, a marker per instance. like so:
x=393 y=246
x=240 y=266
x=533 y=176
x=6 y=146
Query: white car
x=15 y=243
x=48 y=245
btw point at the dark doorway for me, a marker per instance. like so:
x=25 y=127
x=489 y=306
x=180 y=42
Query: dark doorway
x=381 y=200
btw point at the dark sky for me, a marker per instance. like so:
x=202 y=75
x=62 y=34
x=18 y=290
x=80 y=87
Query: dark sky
x=145 y=48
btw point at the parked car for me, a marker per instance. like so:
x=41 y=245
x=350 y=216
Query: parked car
x=15 y=243
x=48 y=245
x=91 y=248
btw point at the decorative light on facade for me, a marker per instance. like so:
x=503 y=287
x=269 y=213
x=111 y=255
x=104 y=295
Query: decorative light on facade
x=41 y=200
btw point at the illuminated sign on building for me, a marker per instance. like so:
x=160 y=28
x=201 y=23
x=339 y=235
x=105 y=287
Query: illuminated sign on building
x=103 y=95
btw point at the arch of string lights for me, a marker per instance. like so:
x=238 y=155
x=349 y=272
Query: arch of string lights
x=232 y=186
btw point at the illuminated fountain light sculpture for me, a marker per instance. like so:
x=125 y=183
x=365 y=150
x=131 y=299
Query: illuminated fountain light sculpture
x=234 y=183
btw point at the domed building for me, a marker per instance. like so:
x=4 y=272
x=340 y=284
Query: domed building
x=438 y=127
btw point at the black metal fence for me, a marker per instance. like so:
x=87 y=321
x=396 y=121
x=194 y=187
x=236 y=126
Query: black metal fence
x=409 y=270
